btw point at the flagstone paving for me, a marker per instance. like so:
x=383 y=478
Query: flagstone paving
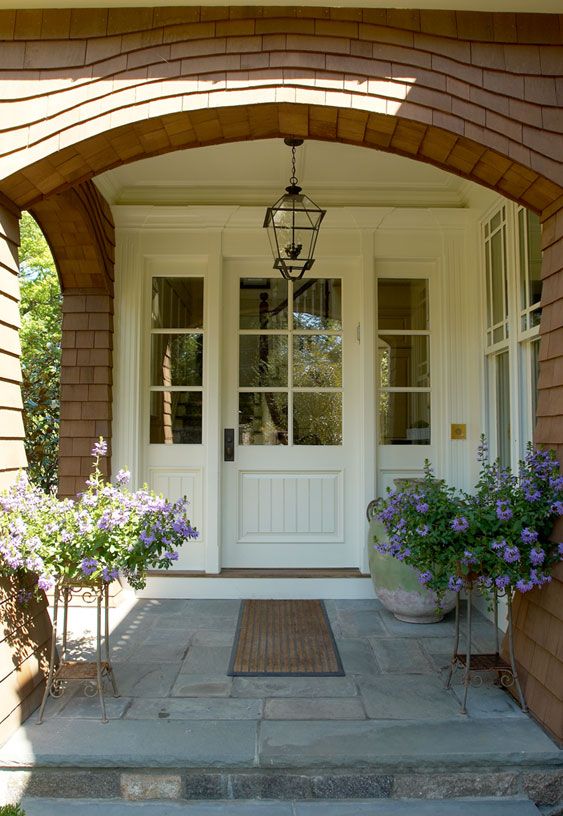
x=387 y=719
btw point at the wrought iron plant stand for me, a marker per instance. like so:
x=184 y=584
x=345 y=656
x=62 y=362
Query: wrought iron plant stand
x=91 y=673
x=474 y=665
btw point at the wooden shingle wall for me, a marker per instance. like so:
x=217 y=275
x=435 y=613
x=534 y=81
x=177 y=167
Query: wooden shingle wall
x=11 y=422
x=479 y=94
x=538 y=618
x=79 y=228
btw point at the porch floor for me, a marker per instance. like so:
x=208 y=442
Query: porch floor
x=387 y=729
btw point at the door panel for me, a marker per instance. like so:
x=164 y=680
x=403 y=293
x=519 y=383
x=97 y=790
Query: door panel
x=290 y=366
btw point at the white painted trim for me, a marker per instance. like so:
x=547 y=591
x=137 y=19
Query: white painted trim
x=542 y=7
x=283 y=588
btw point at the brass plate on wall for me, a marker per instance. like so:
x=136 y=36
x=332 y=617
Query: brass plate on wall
x=458 y=431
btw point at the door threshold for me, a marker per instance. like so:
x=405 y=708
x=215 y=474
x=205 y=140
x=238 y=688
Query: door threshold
x=239 y=572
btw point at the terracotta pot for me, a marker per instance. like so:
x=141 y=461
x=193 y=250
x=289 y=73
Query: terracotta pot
x=398 y=588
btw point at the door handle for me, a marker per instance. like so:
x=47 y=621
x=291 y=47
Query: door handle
x=229 y=444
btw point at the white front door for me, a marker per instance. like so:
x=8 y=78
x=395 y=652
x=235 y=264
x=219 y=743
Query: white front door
x=290 y=377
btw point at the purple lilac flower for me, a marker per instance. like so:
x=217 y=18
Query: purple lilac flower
x=421 y=507
x=170 y=555
x=560 y=550
x=556 y=482
x=45 y=582
x=423 y=530
x=460 y=524
x=425 y=577
x=483 y=451
x=511 y=555
x=502 y=581
x=537 y=556
x=504 y=513
x=146 y=537
x=109 y=575
x=24 y=596
x=100 y=448
x=403 y=554
x=455 y=584
x=123 y=477
x=88 y=565
x=468 y=558
x=524 y=586
x=528 y=536
x=498 y=545
x=557 y=508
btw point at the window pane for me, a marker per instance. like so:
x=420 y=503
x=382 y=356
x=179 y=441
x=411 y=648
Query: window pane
x=317 y=419
x=534 y=258
x=523 y=259
x=176 y=417
x=503 y=408
x=263 y=360
x=263 y=303
x=404 y=419
x=177 y=303
x=404 y=360
x=534 y=377
x=262 y=419
x=176 y=359
x=497 y=271
x=402 y=303
x=317 y=304
x=317 y=360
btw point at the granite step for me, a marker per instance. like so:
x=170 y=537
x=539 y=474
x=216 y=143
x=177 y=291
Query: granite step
x=405 y=807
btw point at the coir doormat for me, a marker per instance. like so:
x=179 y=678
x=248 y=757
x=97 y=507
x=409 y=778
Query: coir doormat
x=284 y=639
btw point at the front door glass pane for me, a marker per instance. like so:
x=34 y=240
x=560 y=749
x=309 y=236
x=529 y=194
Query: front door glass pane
x=317 y=360
x=263 y=418
x=263 y=360
x=317 y=418
x=263 y=303
x=317 y=304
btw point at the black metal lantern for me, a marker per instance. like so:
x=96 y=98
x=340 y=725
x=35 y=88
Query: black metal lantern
x=293 y=226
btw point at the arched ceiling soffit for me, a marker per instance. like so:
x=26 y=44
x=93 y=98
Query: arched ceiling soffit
x=449 y=151
x=78 y=226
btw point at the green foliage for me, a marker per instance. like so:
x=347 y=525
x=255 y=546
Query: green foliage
x=11 y=810
x=41 y=352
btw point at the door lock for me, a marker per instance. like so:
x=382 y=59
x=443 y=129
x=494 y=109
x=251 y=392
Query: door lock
x=229 y=444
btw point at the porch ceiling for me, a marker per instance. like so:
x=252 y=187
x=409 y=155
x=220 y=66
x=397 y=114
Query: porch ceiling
x=254 y=173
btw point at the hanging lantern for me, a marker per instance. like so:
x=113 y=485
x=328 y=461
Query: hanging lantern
x=293 y=226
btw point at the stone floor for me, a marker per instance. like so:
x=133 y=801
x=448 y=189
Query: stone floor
x=183 y=730
x=171 y=657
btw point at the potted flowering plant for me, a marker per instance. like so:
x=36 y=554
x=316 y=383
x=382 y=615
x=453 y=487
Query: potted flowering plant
x=415 y=536
x=105 y=532
x=495 y=538
x=508 y=521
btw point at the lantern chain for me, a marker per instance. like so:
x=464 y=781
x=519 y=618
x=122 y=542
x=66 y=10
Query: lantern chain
x=293 y=178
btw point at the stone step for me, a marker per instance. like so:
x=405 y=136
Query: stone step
x=372 y=807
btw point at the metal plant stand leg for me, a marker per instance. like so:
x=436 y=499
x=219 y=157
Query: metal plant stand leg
x=99 y=655
x=512 y=659
x=106 y=638
x=453 y=661
x=467 y=672
x=52 y=656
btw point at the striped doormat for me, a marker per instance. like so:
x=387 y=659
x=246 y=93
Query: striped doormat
x=284 y=638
